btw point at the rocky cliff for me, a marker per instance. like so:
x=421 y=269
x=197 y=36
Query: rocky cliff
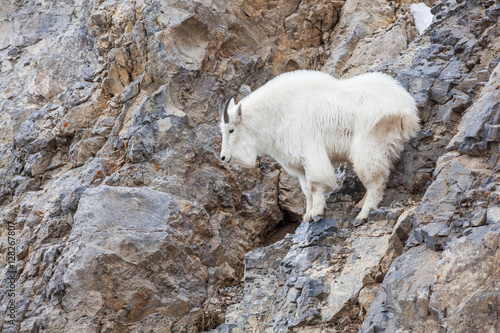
x=117 y=215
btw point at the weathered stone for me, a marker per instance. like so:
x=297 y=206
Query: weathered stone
x=357 y=34
x=492 y=215
x=130 y=92
x=85 y=149
x=404 y=297
x=439 y=91
x=312 y=277
x=461 y=289
x=455 y=107
x=36 y=164
x=290 y=196
x=141 y=145
x=111 y=106
x=104 y=245
x=474 y=120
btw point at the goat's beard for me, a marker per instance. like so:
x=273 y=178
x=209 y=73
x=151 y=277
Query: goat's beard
x=246 y=158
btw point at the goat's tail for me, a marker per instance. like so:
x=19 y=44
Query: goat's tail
x=410 y=123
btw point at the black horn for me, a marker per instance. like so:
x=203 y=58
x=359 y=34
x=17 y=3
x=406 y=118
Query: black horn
x=223 y=110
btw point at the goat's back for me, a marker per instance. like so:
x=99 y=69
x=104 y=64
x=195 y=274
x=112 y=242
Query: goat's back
x=304 y=110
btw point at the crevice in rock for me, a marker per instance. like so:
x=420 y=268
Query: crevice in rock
x=287 y=225
x=349 y=319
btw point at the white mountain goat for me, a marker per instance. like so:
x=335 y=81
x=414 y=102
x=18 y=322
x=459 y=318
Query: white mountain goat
x=308 y=120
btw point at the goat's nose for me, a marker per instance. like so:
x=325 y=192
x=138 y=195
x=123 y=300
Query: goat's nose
x=223 y=158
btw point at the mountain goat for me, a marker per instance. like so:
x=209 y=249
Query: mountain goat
x=309 y=121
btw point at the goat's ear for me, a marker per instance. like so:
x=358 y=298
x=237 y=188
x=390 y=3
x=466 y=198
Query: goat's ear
x=238 y=113
x=231 y=103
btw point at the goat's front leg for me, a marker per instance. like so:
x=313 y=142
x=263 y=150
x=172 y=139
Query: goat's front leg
x=319 y=203
x=320 y=178
x=306 y=189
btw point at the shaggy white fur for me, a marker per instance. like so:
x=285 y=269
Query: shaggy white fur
x=309 y=121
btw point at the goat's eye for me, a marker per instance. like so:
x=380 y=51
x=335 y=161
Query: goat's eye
x=231 y=131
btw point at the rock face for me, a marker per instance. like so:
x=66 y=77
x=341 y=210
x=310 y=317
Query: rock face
x=321 y=274
x=117 y=215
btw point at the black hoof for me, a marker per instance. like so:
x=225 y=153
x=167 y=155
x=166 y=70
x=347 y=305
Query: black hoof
x=358 y=222
x=317 y=218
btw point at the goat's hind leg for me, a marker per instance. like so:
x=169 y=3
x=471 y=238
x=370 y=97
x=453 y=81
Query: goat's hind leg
x=375 y=185
x=361 y=202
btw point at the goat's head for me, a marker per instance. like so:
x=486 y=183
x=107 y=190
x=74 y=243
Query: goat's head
x=238 y=146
